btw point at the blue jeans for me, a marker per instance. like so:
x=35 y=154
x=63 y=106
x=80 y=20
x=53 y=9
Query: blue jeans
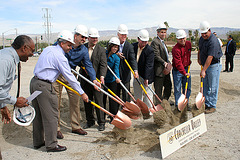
x=179 y=82
x=211 y=84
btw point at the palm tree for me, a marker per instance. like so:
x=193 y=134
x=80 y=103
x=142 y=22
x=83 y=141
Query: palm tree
x=196 y=33
x=190 y=34
x=166 y=23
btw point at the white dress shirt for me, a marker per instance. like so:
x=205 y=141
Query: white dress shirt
x=51 y=63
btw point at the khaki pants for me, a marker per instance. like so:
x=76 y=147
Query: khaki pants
x=74 y=104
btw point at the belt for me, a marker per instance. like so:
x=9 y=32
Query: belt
x=42 y=80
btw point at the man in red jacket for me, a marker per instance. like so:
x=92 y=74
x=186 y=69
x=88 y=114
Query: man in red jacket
x=181 y=53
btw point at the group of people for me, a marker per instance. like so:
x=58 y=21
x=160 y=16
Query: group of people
x=150 y=64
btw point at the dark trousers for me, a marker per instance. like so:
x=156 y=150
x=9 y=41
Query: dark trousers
x=229 y=59
x=125 y=96
x=159 y=83
x=97 y=97
x=113 y=106
x=46 y=120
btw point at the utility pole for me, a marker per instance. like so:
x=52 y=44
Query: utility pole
x=47 y=24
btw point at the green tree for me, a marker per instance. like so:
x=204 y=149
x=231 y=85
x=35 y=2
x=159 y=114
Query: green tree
x=172 y=37
x=196 y=34
x=190 y=35
x=166 y=23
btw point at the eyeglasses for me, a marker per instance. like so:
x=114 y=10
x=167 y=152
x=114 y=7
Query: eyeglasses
x=32 y=50
x=84 y=37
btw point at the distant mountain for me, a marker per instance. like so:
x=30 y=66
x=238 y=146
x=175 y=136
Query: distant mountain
x=107 y=34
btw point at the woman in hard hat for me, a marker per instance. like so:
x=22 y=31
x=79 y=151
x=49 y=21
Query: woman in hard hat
x=113 y=62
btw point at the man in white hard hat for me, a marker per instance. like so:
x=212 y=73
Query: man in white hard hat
x=144 y=55
x=51 y=63
x=181 y=54
x=161 y=63
x=125 y=51
x=21 y=48
x=209 y=55
x=77 y=56
x=97 y=55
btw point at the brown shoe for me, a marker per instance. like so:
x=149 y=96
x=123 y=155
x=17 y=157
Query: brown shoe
x=79 y=131
x=59 y=135
x=210 y=110
x=58 y=148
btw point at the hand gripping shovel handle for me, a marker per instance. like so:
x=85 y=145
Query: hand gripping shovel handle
x=139 y=82
x=96 y=105
x=121 y=84
x=90 y=82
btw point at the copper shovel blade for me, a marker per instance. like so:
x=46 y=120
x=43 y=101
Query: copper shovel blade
x=182 y=102
x=200 y=100
x=133 y=108
x=130 y=114
x=121 y=121
x=143 y=107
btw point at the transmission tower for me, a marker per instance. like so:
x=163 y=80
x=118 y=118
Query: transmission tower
x=47 y=24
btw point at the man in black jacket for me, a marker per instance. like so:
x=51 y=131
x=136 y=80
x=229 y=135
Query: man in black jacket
x=97 y=55
x=144 y=55
x=230 y=52
x=125 y=51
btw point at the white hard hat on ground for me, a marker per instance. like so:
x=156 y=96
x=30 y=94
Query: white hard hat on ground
x=93 y=32
x=66 y=35
x=162 y=26
x=143 y=35
x=204 y=27
x=81 y=29
x=122 y=29
x=114 y=40
x=181 y=34
x=23 y=116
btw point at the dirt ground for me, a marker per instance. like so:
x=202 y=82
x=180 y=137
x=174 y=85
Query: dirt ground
x=221 y=141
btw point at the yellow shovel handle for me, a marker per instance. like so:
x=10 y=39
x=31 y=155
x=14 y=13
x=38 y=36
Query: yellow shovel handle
x=129 y=66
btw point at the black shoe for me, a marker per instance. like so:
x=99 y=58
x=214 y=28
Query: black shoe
x=39 y=146
x=59 y=135
x=88 y=125
x=101 y=127
x=225 y=70
x=58 y=148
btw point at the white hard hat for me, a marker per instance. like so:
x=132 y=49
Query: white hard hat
x=66 y=35
x=122 y=29
x=81 y=29
x=23 y=116
x=143 y=35
x=181 y=34
x=161 y=26
x=114 y=40
x=93 y=32
x=204 y=27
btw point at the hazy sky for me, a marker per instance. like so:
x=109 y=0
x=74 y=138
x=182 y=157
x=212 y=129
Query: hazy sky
x=27 y=15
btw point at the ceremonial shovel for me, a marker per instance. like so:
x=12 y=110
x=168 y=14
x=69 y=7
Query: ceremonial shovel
x=154 y=108
x=200 y=98
x=120 y=120
x=182 y=101
x=129 y=108
x=140 y=103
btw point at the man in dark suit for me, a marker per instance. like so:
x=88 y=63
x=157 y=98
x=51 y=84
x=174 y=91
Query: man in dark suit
x=161 y=61
x=125 y=51
x=97 y=55
x=144 y=55
x=230 y=52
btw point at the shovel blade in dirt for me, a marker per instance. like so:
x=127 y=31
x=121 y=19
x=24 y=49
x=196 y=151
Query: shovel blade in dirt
x=182 y=102
x=121 y=121
x=143 y=107
x=200 y=100
x=131 y=110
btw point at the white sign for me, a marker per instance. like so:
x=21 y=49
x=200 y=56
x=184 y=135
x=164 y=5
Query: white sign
x=182 y=134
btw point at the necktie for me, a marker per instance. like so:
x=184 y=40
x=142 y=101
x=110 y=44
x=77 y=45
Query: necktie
x=19 y=72
x=165 y=49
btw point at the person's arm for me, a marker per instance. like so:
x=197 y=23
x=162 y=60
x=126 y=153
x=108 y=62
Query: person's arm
x=206 y=65
x=177 y=59
x=132 y=60
x=149 y=67
x=6 y=116
x=103 y=64
x=157 y=53
x=116 y=68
